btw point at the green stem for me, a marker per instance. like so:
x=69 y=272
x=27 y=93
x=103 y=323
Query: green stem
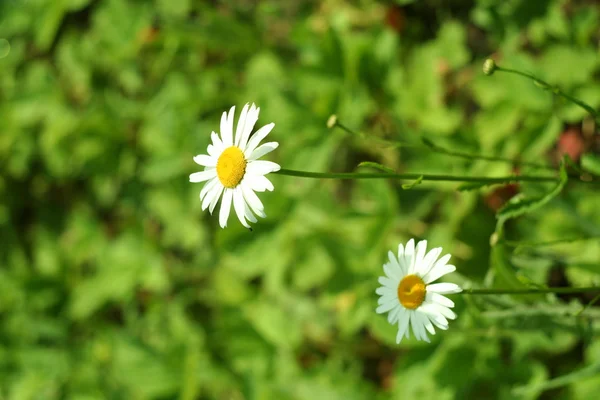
x=430 y=146
x=512 y=243
x=561 y=290
x=423 y=177
x=433 y=147
x=553 y=89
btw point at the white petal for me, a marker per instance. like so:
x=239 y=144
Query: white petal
x=251 y=119
x=252 y=200
x=386 y=307
x=427 y=323
x=393 y=315
x=211 y=151
x=403 y=323
x=394 y=264
x=420 y=254
x=238 y=205
x=421 y=326
x=387 y=282
x=210 y=195
x=261 y=167
x=225 y=207
x=401 y=264
x=262 y=150
x=216 y=194
x=392 y=271
x=439 y=299
x=216 y=142
x=205 y=161
x=414 y=326
x=409 y=256
x=429 y=261
x=444 y=288
x=227 y=127
x=382 y=290
x=407 y=333
x=433 y=313
x=437 y=272
x=387 y=298
x=260 y=184
x=208 y=186
x=445 y=311
x=439 y=263
x=400 y=251
x=203 y=175
x=248 y=213
x=258 y=136
x=240 y=125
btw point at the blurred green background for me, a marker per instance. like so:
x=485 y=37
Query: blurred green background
x=114 y=284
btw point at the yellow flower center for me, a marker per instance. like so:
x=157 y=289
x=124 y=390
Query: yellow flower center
x=411 y=291
x=231 y=167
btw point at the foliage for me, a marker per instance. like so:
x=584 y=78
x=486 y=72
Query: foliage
x=114 y=284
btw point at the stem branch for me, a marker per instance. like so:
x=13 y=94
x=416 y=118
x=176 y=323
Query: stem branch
x=423 y=177
x=559 y=290
x=554 y=89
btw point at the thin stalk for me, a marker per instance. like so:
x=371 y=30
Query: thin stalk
x=423 y=177
x=553 y=89
x=561 y=290
x=470 y=156
x=430 y=146
x=512 y=243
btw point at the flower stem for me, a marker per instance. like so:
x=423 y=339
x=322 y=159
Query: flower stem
x=430 y=146
x=554 y=89
x=559 y=290
x=512 y=243
x=423 y=177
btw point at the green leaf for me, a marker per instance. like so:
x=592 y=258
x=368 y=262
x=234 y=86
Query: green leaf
x=274 y=324
x=467 y=186
x=519 y=206
x=573 y=377
x=591 y=162
x=570 y=163
x=506 y=274
x=411 y=185
x=377 y=166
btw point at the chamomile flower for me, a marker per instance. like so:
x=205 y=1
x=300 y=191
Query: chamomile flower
x=408 y=295
x=233 y=171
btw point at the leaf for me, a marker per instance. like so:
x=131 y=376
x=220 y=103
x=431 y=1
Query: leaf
x=519 y=206
x=377 y=166
x=429 y=143
x=411 y=185
x=506 y=274
x=591 y=163
x=467 y=186
x=573 y=377
x=570 y=163
x=274 y=324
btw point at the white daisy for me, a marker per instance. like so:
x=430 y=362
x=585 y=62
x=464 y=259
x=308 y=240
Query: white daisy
x=233 y=170
x=408 y=295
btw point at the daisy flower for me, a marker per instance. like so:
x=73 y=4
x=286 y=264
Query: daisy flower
x=409 y=296
x=233 y=171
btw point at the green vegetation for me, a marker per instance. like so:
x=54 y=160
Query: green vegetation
x=114 y=284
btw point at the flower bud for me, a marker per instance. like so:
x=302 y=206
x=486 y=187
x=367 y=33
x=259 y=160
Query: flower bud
x=489 y=66
x=332 y=121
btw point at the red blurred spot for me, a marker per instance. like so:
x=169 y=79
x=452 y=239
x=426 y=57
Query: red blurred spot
x=572 y=143
x=394 y=18
x=385 y=370
x=148 y=34
x=497 y=198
